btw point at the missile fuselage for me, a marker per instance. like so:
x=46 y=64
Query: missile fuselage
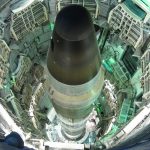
x=75 y=69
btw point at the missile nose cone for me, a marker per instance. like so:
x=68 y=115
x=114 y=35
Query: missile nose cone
x=73 y=57
x=74 y=23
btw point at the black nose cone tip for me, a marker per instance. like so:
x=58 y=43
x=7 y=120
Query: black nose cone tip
x=74 y=23
x=73 y=58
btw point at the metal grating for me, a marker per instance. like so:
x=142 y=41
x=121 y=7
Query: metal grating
x=90 y=5
x=130 y=27
x=28 y=19
x=145 y=63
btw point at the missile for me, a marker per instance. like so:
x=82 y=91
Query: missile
x=75 y=71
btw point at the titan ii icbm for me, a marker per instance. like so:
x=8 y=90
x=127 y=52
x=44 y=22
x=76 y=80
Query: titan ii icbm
x=74 y=65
